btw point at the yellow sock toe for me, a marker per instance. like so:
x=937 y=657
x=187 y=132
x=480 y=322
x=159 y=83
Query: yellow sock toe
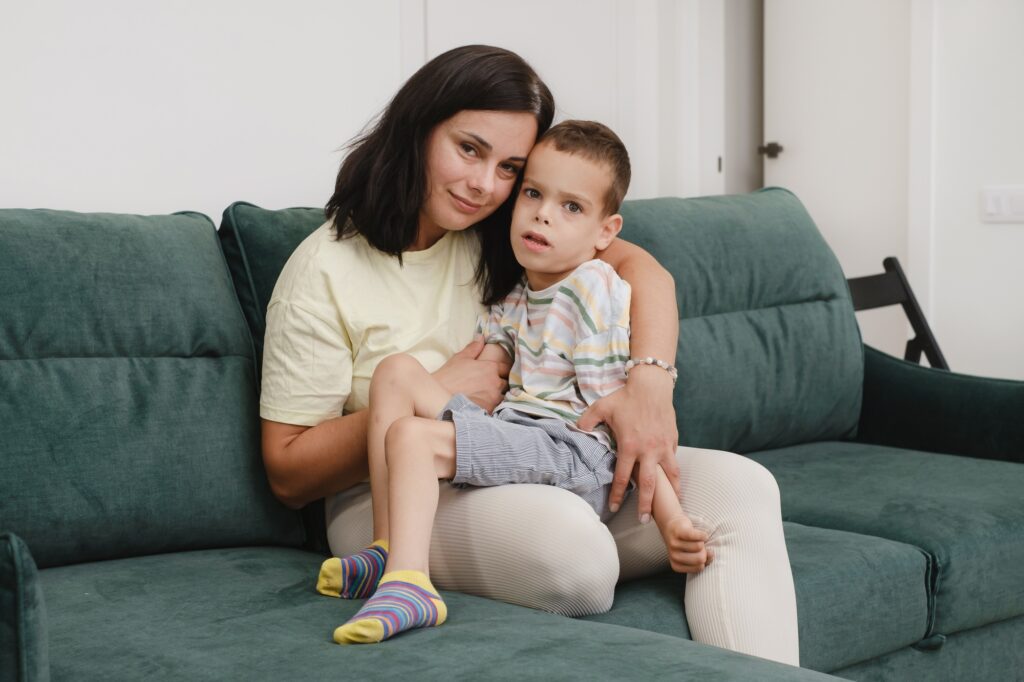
x=365 y=631
x=329 y=580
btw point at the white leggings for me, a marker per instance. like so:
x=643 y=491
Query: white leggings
x=545 y=548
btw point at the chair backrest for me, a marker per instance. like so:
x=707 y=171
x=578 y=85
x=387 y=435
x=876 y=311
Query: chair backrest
x=893 y=288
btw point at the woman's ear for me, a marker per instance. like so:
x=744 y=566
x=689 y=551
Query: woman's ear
x=610 y=229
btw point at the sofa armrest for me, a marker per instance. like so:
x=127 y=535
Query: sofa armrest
x=911 y=406
x=23 y=636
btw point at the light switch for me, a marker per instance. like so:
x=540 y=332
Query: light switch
x=1002 y=204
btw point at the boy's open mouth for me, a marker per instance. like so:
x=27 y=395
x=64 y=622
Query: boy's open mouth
x=535 y=241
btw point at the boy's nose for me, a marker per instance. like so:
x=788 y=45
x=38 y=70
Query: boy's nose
x=541 y=219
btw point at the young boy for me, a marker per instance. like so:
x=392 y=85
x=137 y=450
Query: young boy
x=567 y=330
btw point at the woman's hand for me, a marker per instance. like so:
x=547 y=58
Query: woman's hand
x=643 y=421
x=482 y=381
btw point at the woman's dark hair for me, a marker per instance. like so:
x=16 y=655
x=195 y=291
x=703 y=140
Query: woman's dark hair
x=382 y=183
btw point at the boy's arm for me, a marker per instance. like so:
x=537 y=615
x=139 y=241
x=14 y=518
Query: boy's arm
x=686 y=549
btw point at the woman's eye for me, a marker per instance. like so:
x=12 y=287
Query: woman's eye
x=468 y=148
x=509 y=169
x=531 y=193
x=573 y=207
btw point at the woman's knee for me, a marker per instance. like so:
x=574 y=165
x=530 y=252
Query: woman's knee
x=577 y=559
x=554 y=555
x=730 y=481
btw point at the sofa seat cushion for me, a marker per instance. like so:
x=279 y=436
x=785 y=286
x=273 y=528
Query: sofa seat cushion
x=967 y=514
x=252 y=613
x=857 y=597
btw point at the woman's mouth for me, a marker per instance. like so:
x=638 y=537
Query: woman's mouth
x=463 y=204
x=535 y=242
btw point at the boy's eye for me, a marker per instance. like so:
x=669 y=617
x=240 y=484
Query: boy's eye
x=573 y=207
x=531 y=193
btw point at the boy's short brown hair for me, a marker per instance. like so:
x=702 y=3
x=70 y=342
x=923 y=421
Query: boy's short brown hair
x=597 y=142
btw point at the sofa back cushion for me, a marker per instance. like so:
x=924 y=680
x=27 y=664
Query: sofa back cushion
x=769 y=351
x=127 y=391
x=257 y=244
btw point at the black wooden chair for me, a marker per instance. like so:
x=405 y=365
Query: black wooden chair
x=889 y=288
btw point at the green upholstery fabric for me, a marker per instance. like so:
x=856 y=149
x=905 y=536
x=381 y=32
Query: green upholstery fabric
x=24 y=644
x=253 y=614
x=257 y=244
x=127 y=393
x=769 y=350
x=910 y=406
x=858 y=597
x=993 y=652
x=965 y=513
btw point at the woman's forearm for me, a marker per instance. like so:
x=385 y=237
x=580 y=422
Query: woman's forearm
x=654 y=318
x=307 y=463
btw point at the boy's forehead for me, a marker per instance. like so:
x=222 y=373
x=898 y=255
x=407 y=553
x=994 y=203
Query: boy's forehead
x=567 y=170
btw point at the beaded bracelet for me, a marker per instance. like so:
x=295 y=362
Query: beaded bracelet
x=633 y=362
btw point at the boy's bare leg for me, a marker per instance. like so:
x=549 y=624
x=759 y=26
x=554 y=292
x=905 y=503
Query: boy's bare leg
x=685 y=544
x=418 y=452
x=400 y=388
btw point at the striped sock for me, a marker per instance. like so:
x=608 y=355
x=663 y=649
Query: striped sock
x=404 y=600
x=356 y=576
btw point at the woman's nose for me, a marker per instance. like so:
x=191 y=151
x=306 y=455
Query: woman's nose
x=482 y=181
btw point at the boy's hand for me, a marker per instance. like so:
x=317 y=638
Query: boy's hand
x=686 y=550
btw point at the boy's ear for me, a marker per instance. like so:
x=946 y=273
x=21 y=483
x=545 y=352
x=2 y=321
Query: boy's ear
x=609 y=231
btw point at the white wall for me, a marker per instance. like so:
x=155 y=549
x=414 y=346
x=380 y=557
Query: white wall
x=977 y=301
x=165 y=105
x=152 y=107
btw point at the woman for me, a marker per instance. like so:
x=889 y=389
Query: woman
x=416 y=240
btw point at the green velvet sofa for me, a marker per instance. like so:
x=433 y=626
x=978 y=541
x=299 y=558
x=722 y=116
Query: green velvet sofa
x=139 y=537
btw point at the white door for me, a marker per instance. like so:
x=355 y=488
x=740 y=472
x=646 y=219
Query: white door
x=836 y=98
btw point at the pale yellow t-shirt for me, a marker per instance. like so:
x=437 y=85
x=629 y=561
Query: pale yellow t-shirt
x=340 y=307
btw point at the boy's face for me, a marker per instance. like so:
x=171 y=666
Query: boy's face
x=559 y=219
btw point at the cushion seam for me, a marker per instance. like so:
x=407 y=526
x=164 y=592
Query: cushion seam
x=129 y=357
x=828 y=299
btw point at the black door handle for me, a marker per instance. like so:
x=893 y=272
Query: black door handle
x=771 y=150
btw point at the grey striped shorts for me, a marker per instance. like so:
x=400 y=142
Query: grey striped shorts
x=511 y=447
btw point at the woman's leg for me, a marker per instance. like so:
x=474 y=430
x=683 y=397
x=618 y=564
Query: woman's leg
x=744 y=600
x=532 y=545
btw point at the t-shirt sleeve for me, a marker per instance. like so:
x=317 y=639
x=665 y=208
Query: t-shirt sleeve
x=602 y=342
x=307 y=366
x=493 y=326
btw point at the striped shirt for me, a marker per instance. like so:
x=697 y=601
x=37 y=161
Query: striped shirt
x=569 y=343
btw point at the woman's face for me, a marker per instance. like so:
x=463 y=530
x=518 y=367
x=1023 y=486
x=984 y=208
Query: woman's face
x=473 y=159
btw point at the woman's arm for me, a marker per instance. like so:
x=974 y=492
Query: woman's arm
x=641 y=415
x=305 y=463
